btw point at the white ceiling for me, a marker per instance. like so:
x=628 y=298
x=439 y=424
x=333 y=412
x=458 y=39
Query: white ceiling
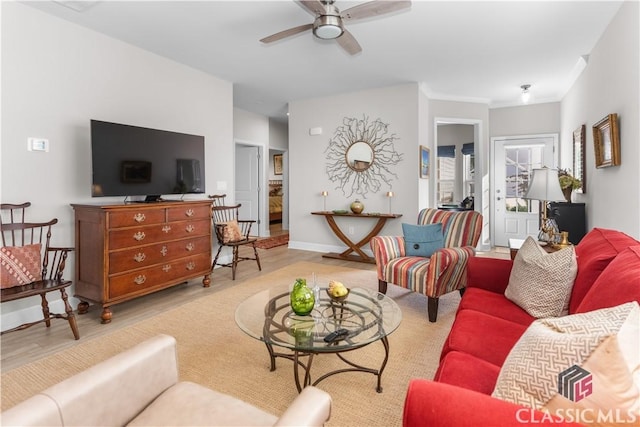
x=476 y=51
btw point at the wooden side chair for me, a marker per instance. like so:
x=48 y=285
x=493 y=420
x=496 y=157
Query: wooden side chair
x=30 y=266
x=231 y=232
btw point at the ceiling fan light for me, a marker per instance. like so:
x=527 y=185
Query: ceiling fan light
x=328 y=27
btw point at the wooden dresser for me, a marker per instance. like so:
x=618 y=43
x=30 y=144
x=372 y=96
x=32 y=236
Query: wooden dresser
x=124 y=251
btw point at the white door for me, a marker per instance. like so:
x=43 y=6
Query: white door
x=247 y=183
x=514 y=158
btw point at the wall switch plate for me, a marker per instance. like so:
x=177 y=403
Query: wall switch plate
x=352 y=231
x=37 y=144
x=315 y=131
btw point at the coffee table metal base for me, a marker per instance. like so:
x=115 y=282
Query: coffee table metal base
x=296 y=356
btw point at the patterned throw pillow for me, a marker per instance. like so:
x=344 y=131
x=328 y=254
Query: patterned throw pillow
x=231 y=232
x=20 y=265
x=422 y=240
x=584 y=367
x=540 y=282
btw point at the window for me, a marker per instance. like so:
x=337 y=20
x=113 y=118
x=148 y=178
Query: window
x=446 y=179
x=520 y=161
x=469 y=174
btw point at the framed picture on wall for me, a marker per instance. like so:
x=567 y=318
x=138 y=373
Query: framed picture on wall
x=277 y=164
x=606 y=141
x=424 y=162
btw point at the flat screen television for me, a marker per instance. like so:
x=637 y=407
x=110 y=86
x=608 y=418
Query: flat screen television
x=135 y=161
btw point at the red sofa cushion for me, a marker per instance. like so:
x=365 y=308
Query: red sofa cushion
x=430 y=403
x=494 y=304
x=594 y=252
x=491 y=274
x=467 y=371
x=619 y=283
x=482 y=335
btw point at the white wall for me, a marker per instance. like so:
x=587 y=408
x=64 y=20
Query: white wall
x=525 y=120
x=398 y=107
x=610 y=84
x=248 y=126
x=278 y=135
x=424 y=188
x=58 y=77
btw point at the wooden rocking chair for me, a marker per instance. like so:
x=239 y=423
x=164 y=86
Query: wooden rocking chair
x=231 y=232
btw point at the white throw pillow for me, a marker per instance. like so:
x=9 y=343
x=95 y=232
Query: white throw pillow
x=541 y=282
x=584 y=367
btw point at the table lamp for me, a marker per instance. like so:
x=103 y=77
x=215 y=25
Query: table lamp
x=545 y=186
x=389 y=196
x=324 y=198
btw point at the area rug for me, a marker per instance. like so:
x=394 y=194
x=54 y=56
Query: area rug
x=272 y=242
x=214 y=352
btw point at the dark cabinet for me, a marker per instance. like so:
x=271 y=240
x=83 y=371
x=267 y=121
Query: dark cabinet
x=569 y=217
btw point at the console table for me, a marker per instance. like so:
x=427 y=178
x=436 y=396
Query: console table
x=359 y=255
x=125 y=251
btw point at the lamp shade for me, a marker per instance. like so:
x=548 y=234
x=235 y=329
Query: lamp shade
x=545 y=185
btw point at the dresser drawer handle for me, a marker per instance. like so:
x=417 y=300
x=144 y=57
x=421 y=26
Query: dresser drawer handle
x=139 y=257
x=139 y=280
x=189 y=213
x=190 y=247
x=164 y=251
x=190 y=228
x=139 y=217
x=191 y=265
x=139 y=236
x=166 y=229
x=166 y=268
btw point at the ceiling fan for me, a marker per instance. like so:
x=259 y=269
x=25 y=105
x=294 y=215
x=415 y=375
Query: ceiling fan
x=329 y=21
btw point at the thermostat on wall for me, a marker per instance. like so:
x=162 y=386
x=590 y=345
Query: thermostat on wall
x=37 y=144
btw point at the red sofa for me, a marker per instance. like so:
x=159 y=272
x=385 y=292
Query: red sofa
x=487 y=326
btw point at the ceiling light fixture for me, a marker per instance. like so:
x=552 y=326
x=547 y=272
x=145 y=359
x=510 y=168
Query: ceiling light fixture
x=329 y=25
x=526 y=94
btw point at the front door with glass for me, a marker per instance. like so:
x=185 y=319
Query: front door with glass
x=514 y=158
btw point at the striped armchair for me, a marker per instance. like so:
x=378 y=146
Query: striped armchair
x=444 y=271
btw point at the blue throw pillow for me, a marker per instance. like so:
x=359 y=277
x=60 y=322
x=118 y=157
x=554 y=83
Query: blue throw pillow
x=422 y=240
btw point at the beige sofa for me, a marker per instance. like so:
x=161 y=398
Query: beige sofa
x=140 y=387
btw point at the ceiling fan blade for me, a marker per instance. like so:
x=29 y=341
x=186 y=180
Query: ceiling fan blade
x=286 y=33
x=315 y=7
x=374 y=8
x=349 y=43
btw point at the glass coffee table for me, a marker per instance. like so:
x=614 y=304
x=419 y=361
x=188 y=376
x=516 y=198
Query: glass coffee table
x=366 y=315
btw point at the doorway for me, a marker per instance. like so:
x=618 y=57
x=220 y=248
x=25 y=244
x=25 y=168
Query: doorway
x=513 y=160
x=474 y=180
x=277 y=193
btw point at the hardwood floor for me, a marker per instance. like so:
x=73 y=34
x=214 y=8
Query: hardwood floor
x=275 y=229
x=21 y=347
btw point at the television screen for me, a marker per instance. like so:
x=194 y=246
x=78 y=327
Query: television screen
x=135 y=161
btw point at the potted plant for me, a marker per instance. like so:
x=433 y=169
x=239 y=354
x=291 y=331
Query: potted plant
x=568 y=183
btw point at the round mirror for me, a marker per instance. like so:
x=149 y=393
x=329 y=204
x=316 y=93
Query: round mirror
x=359 y=156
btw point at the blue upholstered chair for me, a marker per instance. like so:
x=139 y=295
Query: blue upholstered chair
x=444 y=271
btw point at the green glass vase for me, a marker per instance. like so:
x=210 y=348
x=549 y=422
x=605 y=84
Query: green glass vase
x=302 y=299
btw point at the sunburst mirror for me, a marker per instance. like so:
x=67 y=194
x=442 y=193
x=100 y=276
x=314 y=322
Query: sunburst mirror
x=361 y=155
